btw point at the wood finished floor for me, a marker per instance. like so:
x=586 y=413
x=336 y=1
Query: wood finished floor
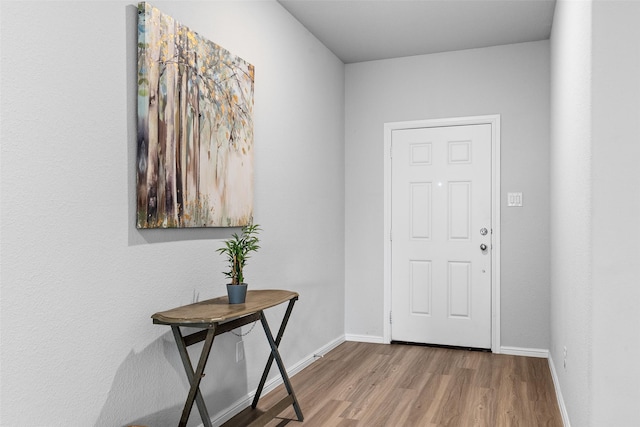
x=361 y=384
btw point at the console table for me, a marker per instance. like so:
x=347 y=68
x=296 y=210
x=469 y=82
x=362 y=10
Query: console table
x=216 y=316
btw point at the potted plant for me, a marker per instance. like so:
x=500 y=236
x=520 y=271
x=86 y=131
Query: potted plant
x=237 y=250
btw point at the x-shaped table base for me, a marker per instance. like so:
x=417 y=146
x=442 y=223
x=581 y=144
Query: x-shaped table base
x=209 y=332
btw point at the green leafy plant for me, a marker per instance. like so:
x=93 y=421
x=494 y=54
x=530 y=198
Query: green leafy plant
x=237 y=250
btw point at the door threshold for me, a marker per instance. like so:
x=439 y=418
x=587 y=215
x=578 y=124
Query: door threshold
x=451 y=347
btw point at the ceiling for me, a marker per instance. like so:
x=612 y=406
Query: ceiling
x=366 y=30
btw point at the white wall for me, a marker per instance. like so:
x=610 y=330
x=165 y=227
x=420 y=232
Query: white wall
x=595 y=207
x=616 y=213
x=512 y=81
x=571 y=212
x=79 y=282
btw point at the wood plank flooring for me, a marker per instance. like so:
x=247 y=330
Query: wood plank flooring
x=361 y=384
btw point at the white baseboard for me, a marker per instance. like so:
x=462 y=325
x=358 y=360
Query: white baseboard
x=528 y=352
x=309 y=359
x=228 y=413
x=365 y=338
x=556 y=385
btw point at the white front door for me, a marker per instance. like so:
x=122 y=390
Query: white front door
x=440 y=225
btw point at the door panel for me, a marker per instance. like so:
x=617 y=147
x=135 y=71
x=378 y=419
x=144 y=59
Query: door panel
x=440 y=200
x=420 y=282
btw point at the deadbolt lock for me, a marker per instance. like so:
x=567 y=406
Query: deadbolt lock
x=484 y=231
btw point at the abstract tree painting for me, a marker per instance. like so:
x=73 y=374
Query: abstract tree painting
x=195 y=128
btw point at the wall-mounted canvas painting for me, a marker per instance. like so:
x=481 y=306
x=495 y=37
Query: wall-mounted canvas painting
x=195 y=128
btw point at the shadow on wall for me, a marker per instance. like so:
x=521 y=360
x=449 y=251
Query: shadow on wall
x=150 y=387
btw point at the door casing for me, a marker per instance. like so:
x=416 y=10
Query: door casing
x=494 y=121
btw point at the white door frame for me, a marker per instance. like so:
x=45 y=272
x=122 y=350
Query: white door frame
x=494 y=121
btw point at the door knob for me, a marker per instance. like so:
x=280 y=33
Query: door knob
x=483 y=247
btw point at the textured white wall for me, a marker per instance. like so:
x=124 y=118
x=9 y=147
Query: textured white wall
x=594 y=209
x=510 y=80
x=616 y=213
x=571 y=208
x=79 y=282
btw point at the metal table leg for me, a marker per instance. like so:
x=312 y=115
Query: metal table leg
x=194 y=377
x=275 y=354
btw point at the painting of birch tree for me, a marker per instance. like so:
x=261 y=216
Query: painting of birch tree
x=195 y=128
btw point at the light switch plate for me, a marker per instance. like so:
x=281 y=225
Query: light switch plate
x=514 y=199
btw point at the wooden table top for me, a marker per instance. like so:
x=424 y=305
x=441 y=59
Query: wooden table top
x=219 y=310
